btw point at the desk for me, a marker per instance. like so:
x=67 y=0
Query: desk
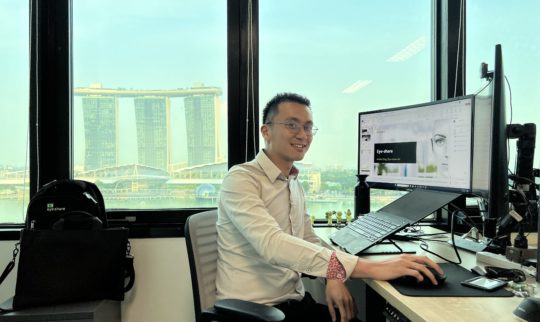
x=435 y=308
x=93 y=311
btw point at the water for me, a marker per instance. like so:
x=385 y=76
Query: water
x=319 y=209
x=14 y=210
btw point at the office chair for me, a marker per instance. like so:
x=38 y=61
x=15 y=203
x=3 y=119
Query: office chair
x=201 y=241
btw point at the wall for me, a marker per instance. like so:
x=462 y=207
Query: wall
x=162 y=290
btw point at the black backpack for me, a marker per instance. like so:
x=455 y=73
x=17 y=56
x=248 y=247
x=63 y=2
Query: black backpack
x=66 y=242
x=67 y=204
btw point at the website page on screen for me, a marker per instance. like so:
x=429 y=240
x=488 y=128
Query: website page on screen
x=418 y=146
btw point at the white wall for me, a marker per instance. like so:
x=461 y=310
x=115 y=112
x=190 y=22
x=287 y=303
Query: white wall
x=162 y=290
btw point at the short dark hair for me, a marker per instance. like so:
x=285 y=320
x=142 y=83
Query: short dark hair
x=271 y=107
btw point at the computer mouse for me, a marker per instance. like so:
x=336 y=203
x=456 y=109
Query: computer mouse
x=426 y=283
x=528 y=309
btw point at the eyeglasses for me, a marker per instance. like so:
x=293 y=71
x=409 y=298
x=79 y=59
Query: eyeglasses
x=295 y=127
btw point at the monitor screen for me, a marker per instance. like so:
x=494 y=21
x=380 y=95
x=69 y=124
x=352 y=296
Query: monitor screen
x=420 y=146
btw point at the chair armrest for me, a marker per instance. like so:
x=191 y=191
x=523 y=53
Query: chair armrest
x=311 y=277
x=249 y=310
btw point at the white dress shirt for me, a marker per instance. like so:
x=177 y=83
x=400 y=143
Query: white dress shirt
x=265 y=237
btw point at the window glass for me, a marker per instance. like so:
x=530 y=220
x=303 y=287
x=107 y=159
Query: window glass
x=491 y=22
x=14 y=88
x=346 y=57
x=150 y=101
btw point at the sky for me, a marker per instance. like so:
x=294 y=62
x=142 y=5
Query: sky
x=346 y=56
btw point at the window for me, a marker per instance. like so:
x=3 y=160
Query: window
x=490 y=23
x=345 y=58
x=14 y=84
x=150 y=85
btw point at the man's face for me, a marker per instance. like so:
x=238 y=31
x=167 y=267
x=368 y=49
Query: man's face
x=284 y=144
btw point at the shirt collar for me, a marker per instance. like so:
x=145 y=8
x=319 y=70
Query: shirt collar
x=271 y=170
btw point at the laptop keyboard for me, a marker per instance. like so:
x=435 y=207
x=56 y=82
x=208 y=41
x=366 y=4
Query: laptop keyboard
x=371 y=227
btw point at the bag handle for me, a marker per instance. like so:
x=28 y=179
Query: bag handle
x=129 y=269
x=11 y=264
x=7 y=270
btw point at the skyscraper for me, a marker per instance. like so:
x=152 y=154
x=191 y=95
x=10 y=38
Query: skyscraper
x=152 y=115
x=202 y=129
x=100 y=115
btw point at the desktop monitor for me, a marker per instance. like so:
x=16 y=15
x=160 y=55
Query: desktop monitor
x=457 y=145
x=425 y=146
x=498 y=195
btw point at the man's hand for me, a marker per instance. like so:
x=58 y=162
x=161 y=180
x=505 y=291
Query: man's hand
x=337 y=295
x=395 y=267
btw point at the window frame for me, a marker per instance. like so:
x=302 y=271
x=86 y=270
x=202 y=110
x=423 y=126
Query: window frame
x=51 y=99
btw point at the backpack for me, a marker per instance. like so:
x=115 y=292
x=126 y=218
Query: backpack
x=67 y=204
x=67 y=242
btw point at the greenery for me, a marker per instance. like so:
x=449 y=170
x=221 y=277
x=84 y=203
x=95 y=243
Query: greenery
x=338 y=180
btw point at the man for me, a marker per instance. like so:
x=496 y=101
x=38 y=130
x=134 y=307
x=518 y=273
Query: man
x=265 y=237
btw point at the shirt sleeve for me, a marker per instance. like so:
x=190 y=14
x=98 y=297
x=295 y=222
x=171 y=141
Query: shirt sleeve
x=309 y=232
x=338 y=259
x=241 y=203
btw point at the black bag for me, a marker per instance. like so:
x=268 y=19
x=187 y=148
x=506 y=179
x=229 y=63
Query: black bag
x=70 y=265
x=60 y=197
x=66 y=253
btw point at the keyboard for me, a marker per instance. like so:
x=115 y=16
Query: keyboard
x=371 y=227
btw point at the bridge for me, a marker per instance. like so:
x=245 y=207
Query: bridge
x=129 y=178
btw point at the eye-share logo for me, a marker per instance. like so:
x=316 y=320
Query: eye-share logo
x=51 y=208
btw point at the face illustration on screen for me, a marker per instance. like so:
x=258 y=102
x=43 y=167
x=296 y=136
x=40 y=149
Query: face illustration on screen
x=439 y=146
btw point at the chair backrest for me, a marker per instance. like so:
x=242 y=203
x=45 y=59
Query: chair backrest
x=201 y=241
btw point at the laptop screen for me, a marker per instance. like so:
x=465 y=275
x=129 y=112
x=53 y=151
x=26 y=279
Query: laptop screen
x=418 y=204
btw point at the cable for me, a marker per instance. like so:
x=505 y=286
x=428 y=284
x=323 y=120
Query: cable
x=27 y=150
x=513 y=177
x=457 y=52
x=510 y=98
x=511 y=114
x=249 y=70
x=528 y=210
x=38 y=175
x=513 y=274
x=484 y=87
x=527 y=217
x=251 y=59
x=424 y=245
x=27 y=161
x=466 y=218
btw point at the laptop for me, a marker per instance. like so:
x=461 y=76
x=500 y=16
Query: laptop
x=374 y=227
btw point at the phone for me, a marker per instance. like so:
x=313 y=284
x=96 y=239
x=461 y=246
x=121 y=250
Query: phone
x=484 y=283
